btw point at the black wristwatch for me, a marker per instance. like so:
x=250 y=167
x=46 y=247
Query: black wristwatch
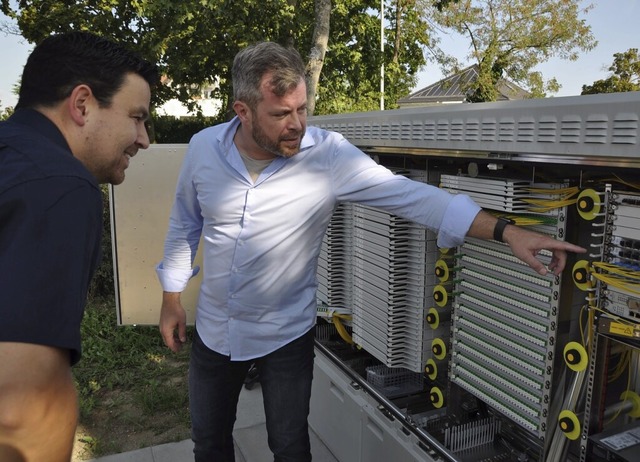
x=501 y=224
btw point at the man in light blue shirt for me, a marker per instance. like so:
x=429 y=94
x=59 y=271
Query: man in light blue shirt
x=261 y=190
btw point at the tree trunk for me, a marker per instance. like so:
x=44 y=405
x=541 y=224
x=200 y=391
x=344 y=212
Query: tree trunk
x=318 y=50
x=396 y=48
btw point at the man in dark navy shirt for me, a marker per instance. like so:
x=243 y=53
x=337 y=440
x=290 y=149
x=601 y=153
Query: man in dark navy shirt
x=80 y=117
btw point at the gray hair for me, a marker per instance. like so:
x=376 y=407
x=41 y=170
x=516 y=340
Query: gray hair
x=251 y=64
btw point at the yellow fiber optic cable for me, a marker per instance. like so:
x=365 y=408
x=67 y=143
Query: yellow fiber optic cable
x=615 y=416
x=617 y=179
x=547 y=206
x=585 y=270
x=626 y=272
x=527 y=220
x=582 y=310
x=613 y=316
x=621 y=366
x=567 y=197
x=619 y=283
x=570 y=191
x=342 y=331
x=550 y=202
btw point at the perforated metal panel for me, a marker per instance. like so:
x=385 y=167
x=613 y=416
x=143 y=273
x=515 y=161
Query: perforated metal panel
x=140 y=209
x=573 y=128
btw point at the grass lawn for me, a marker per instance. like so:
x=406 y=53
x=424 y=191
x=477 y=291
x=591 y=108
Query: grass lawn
x=132 y=389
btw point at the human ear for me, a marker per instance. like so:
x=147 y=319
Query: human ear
x=242 y=110
x=78 y=103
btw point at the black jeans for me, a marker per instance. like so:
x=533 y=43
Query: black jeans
x=215 y=383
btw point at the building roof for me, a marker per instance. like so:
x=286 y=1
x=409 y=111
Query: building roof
x=454 y=89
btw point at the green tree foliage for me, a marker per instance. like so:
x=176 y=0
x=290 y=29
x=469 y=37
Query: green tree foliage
x=5 y=113
x=102 y=284
x=171 y=130
x=194 y=41
x=625 y=75
x=508 y=38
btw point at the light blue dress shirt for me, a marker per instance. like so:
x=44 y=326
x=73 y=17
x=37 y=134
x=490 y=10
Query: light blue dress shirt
x=262 y=239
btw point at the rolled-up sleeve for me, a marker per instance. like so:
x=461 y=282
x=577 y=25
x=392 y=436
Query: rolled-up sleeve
x=183 y=236
x=456 y=221
x=357 y=178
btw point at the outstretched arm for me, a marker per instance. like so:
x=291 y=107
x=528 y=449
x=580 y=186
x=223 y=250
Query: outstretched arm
x=525 y=244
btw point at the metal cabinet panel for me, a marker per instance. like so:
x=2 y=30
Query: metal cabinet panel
x=140 y=209
x=336 y=411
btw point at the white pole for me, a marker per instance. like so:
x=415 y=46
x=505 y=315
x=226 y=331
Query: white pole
x=382 y=55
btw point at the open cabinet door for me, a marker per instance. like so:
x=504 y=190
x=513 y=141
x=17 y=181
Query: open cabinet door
x=140 y=209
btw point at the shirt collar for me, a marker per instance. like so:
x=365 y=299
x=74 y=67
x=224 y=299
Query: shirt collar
x=42 y=124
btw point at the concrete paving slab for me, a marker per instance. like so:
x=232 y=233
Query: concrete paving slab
x=170 y=452
x=139 y=455
x=173 y=452
x=252 y=442
x=253 y=445
x=250 y=410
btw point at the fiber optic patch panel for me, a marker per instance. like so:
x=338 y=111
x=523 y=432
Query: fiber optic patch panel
x=389 y=266
x=334 y=265
x=505 y=316
x=388 y=263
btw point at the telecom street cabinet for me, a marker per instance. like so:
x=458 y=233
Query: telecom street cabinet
x=461 y=354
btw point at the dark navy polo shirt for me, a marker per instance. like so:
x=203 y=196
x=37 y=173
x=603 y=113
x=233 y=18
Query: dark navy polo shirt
x=50 y=232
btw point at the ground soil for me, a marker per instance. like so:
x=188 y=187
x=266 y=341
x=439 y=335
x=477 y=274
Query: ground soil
x=122 y=421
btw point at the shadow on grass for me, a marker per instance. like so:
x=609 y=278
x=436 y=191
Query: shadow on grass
x=132 y=389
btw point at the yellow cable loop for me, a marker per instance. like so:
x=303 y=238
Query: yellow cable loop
x=591 y=330
x=619 y=283
x=567 y=197
x=523 y=220
x=615 y=416
x=615 y=269
x=570 y=191
x=590 y=312
x=616 y=318
x=617 y=179
x=582 y=341
x=621 y=366
x=342 y=331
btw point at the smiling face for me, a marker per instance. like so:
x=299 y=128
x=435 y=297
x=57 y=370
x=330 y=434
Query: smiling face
x=277 y=124
x=112 y=135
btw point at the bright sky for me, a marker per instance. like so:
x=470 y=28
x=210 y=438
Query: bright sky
x=613 y=23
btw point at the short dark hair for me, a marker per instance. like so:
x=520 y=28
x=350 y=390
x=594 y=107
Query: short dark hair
x=63 y=61
x=253 y=62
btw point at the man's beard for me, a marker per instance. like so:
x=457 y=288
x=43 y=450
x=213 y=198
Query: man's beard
x=263 y=141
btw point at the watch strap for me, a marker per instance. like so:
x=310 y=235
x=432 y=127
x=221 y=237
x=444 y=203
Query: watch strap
x=501 y=224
